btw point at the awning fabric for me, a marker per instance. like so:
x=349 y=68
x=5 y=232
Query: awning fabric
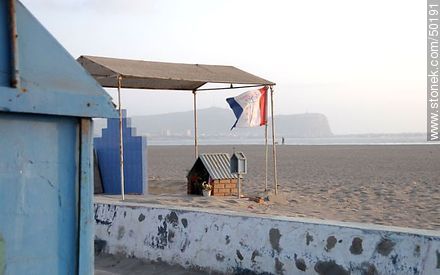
x=141 y=74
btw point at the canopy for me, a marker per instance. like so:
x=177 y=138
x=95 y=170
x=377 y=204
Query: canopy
x=139 y=74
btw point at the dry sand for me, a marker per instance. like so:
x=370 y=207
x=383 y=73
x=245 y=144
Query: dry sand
x=395 y=185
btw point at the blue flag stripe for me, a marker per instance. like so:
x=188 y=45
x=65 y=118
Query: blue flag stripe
x=236 y=108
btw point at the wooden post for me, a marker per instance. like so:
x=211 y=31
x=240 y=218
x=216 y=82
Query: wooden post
x=239 y=186
x=274 y=150
x=86 y=218
x=121 y=142
x=196 y=145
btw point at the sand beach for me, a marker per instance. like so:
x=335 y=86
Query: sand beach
x=396 y=185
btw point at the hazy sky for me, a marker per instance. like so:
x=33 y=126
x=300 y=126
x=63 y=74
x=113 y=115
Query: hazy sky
x=361 y=63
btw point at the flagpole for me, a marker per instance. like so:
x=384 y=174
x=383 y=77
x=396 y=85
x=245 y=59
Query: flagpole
x=266 y=146
x=121 y=143
x=274 y=150
x=196 y=145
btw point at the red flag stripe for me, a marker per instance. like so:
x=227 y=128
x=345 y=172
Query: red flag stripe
x=263 y=106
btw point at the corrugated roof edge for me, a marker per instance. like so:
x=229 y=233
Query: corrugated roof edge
x=218 y=165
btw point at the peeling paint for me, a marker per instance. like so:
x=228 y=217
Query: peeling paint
x=255 y=254
x=247 y=271
x=300 y=263
x=331 y=242
x=417 y=251
x=356 y=246
x=385 y=246
x=121 y=232
x=184 y=245
x=227 y=239
x=369 y=269
x=99 y=246
x=274 y=237
x=105 y=215
x=219 y=257
x=309 y=238
x=438 y=259
x=330 y=268
x=162 y=236
x=172 y=218
x=171 y=235
x=239 y=255
x=184 y=222
x=279 y=266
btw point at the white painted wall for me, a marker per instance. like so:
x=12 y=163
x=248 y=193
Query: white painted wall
x=231 y=242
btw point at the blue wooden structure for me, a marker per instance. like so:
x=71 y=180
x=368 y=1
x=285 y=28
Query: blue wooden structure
x=135 y=158
x=47 y=101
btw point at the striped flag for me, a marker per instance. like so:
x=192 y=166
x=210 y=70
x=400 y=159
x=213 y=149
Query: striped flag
x=249 y=108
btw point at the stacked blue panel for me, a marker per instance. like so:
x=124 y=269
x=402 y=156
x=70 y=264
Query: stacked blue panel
x=135 y=158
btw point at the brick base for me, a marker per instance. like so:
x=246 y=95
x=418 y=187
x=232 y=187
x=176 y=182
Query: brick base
x=224 y=187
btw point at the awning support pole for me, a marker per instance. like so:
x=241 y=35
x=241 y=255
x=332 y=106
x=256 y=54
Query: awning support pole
x=196 y=145
x=121 y=142
x=266 y=148
x=274 y=150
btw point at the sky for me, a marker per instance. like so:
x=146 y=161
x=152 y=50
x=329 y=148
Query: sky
x=361 y=63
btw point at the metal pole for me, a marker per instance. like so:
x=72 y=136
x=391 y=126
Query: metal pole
x=266 y=148
x=274 y=150
x=196 y=146
x=121 y=143
x=15 y=77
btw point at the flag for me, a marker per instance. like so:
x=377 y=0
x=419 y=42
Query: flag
x=249 y=108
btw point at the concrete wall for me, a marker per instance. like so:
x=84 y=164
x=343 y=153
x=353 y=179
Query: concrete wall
x=245 y=243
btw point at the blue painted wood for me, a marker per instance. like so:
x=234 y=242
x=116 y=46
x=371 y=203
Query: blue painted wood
x=39 y=193
x=5 y=66
x=46 y=222
x=135 y=158
x=52 y=81
x=86 y=219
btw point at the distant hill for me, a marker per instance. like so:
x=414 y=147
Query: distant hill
x=217 y=122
